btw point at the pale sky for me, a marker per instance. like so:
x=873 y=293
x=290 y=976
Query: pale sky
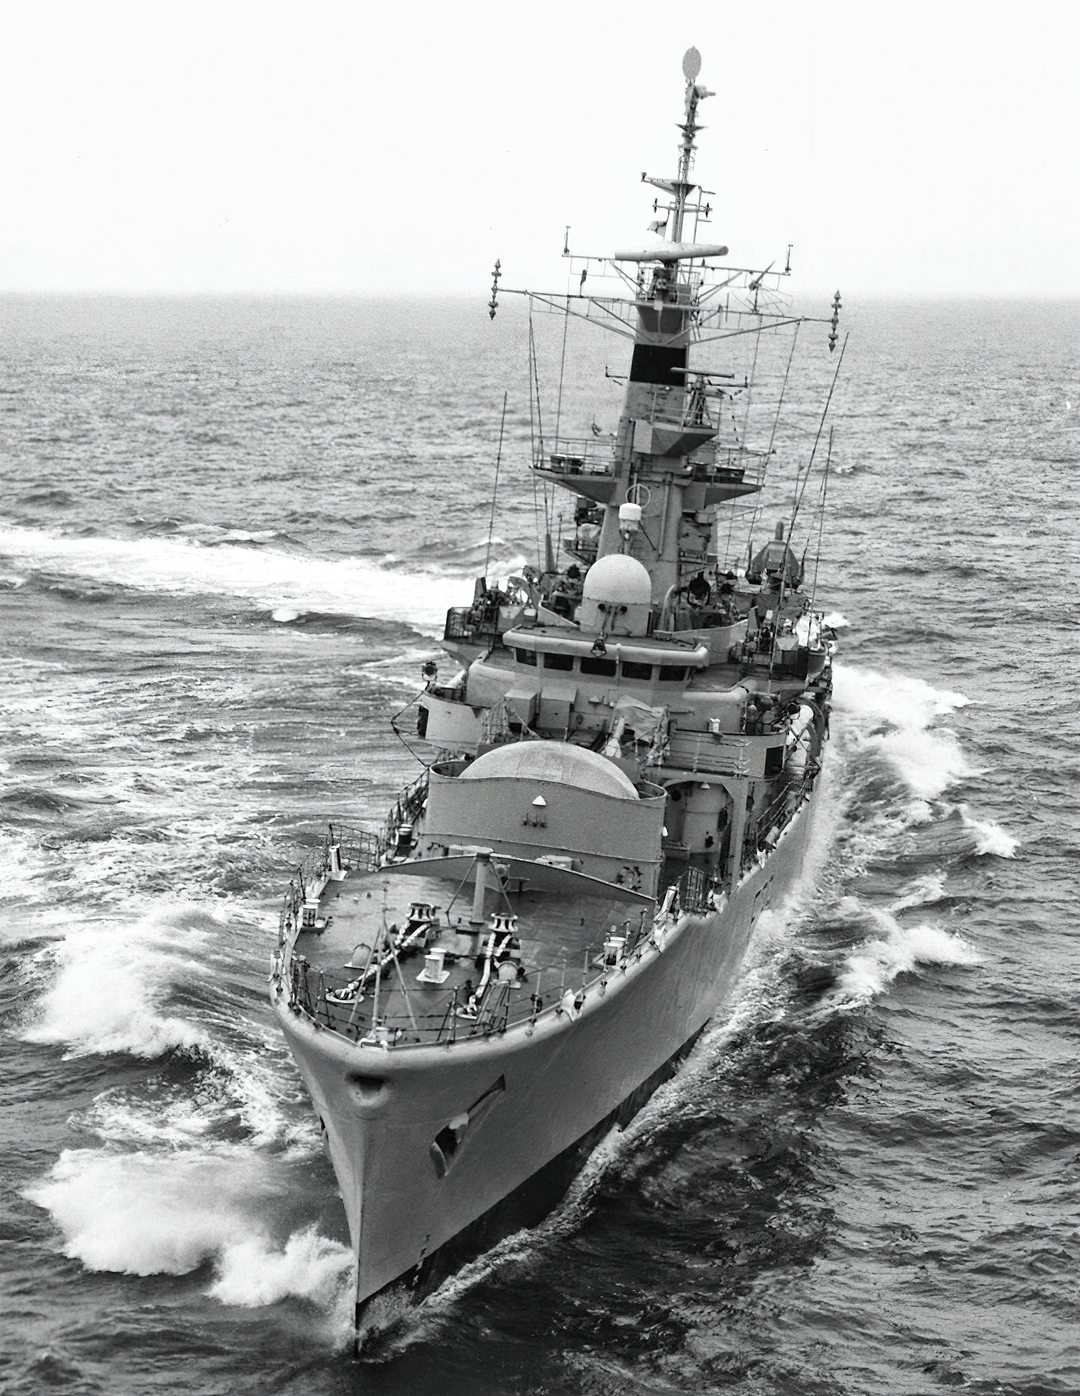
x=903 y=147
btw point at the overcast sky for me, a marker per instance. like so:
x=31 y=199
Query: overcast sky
x=903 y=147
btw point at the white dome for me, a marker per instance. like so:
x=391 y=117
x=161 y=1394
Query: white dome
x=555 y=761
x=618 y=578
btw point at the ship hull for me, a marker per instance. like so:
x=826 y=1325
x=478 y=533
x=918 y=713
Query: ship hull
x=534 y=1096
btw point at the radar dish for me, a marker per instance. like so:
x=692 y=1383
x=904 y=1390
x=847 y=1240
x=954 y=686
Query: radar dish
x=691 y=64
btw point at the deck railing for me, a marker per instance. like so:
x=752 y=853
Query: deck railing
x=343 y=849
x=577 y=455
x=694 y=892
x=328 y=997
x=405 y=810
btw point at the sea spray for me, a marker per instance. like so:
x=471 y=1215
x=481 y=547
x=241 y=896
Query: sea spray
x=143 y=1213
x=893 y=715
x=112 y=987
x=873 y=965
x=256 y=1271
x=284 y=582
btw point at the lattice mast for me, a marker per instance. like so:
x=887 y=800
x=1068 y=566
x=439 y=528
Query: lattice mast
x=665 y=419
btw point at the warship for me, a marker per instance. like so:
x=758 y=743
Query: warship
x=616 y=782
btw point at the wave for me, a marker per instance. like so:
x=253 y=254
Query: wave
x=331 y=622
x=990 y=838
x=900 y=699
x=142 y=1213
x=256 y=1272
x=893 y=716
x=57 y=498
x=262 y=575
x=111 y=988
x=873 y=965
x=206 y=1159
x=176 y=983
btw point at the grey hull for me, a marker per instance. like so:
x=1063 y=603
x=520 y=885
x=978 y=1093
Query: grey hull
x=531 y=1093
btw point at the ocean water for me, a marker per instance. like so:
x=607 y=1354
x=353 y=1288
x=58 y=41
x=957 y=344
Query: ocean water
x=228 y=532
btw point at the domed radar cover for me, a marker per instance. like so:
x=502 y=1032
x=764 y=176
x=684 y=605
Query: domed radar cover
x=616 y=596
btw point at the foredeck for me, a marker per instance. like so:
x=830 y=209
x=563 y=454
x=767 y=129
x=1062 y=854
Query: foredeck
x=366 y=969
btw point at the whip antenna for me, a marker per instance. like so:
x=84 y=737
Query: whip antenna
x=495 y=489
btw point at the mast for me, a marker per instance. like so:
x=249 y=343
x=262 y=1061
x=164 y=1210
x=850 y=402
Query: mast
x=691 y=66
x=663 y=421
x=677 y=453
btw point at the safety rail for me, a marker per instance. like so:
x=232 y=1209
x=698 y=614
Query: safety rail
x=405 y=810
x=695 y=890
x=673 y=287
x=343 y=849
x=358 y=850
x=462 y=623
x=763 y=834
x=581 y=455
x=583 y=550
x=345 y=1005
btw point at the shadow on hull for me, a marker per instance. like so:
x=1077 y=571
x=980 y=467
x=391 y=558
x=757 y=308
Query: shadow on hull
x=526 y=1206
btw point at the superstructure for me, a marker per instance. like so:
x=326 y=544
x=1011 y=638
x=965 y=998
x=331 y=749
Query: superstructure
x=614 y=786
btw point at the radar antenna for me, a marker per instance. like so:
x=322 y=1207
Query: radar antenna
x=691 y=66
x=681 y=187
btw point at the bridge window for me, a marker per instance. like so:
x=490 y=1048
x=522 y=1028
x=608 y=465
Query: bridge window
x=525 y=656
x=558 y=661
x=631 y=669
x=672 y=673
x=606 y=667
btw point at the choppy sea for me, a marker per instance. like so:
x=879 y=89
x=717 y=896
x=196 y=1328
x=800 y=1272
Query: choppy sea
x=228 y=532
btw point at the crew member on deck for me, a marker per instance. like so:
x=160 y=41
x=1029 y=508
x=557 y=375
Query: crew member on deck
x=698 y=591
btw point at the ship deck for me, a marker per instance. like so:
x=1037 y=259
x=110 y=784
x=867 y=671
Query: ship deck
x=366 y=970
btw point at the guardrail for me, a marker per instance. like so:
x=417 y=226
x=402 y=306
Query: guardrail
x=347 y=1006
x=343 y=849
x=584 y=455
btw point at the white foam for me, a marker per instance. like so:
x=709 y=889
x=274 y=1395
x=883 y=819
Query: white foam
x=154 y=1213
x=111 y=984
x=873 y=965
x=178 y=1120
x=990 y=837
x=893 y=714
x=255 y=1272
x=25 y=864
x=282 y=581
x=900 y=699
x=923 y=891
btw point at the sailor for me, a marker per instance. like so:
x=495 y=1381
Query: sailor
x=698 y=591
x=471 y=1007
x=758 y=709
